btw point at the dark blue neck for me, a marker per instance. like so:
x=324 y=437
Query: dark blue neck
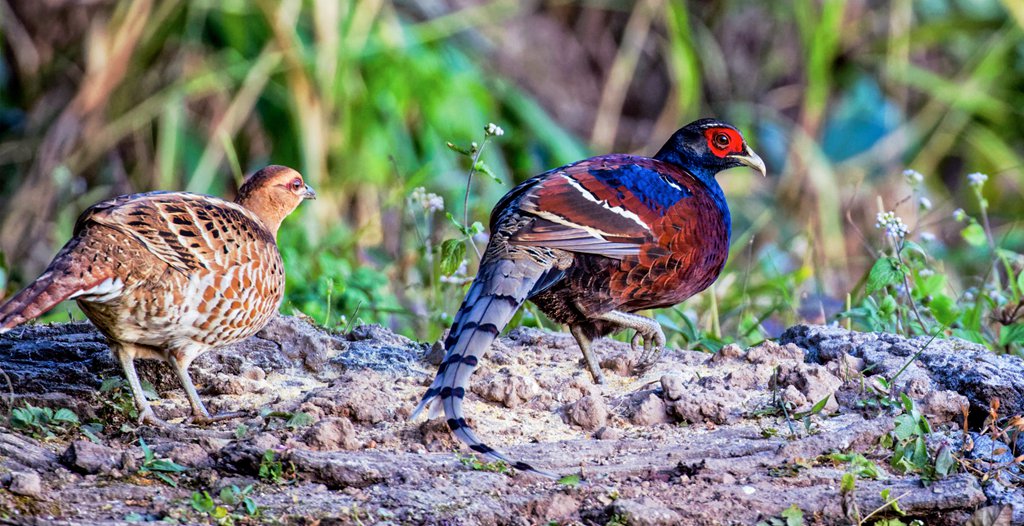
x=706 y=176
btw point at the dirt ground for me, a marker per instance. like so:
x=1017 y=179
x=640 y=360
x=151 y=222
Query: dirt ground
x=697 y=439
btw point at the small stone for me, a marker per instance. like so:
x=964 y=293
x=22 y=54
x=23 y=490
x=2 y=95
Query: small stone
x=256 y=374
x=554 y=507
x=645 y=512
x=332 y=434
x=589 y=413
x=608 y=433
x=729 y=352
x=793 y=396
x=508 y=390
x=89 y=458
x=26 y=483
x=944 y=406
x=619 y=364
x=190 y=455
x=745 y=378
x=772 y=353
x=673 y=386
x=652 y=410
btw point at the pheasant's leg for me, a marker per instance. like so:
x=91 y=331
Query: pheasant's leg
x=199 y=412
x=588 y=354
x=648 y=329
x=146 y=414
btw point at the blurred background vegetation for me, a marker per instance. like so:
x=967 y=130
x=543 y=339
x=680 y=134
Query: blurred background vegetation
x=105 y=97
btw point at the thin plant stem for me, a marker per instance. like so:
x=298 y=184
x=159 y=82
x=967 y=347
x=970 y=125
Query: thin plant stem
x=983 y=206
x=882 y=508
x=906 y=283
x=469 y=182
x=892 y=381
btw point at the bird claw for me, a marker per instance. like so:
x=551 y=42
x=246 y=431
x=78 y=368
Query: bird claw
x=653 y=347
x=147 y=416
x=219 y=417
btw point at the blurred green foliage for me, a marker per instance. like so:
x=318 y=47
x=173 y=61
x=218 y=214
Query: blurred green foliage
x=838 y=96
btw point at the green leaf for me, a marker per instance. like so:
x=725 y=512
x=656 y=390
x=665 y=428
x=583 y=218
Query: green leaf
x=930 y=285
x=299 y=419
x=453 y=251
x=167 y=480
x=202 y=502
x=90 y=430
x=167 y=466
x=944 y=462
x=65 y=415
x=848 y=483
x=229 y=495
x=944 y=309
x=908 y=403
x=974 y=235
x=484 y=169
x=819 y=406
x=906 y=426
x=570 y=480
x=1011 y=334
x=886 y=271
x=794 y=515
x=888 y=307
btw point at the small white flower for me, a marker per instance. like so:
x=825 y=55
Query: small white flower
x=959 y=215
x=892 y=224
x=914 y=177
x=925 y=272
x=977 y=179
x=493 y=129
x=924 y=203
x=428 y=201
x=927 y=237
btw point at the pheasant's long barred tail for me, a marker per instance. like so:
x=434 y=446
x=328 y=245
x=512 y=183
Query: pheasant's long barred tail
x=498 y=291
x=67 y=277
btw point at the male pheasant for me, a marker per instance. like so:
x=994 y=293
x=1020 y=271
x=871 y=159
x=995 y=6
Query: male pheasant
x=591 y=243
x=169 y=275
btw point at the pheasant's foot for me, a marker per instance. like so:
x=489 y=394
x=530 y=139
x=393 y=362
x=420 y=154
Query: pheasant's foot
x=647 y=330
x=588 y=354
x=147 y=416
x=203 y=419
x=654 y=347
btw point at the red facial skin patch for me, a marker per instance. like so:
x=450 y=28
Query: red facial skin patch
x=724 y=141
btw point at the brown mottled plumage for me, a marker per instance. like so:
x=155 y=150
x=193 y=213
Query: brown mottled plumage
x=169 y=275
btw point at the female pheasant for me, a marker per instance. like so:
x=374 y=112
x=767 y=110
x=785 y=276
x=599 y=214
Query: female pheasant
x=591 y=243
x=168 y=276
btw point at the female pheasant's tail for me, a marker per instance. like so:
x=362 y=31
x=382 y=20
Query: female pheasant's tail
x=498 y=291
x=70 y=275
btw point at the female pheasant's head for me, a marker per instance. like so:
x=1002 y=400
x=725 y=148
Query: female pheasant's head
x=708 y=146
x=272 y=193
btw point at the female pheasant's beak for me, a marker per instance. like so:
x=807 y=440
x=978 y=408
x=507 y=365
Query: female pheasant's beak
x=309 y=193
x=752 y=160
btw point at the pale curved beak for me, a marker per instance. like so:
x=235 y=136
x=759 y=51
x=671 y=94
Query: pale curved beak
x=309 y=193
x=752 y=160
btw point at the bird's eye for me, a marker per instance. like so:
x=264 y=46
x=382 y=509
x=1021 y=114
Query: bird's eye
x=721 y=140
x=296 y=184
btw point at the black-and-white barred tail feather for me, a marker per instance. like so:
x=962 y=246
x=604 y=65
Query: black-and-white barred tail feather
x=499 y=289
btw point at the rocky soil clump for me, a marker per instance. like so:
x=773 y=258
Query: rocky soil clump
x=735 y=437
